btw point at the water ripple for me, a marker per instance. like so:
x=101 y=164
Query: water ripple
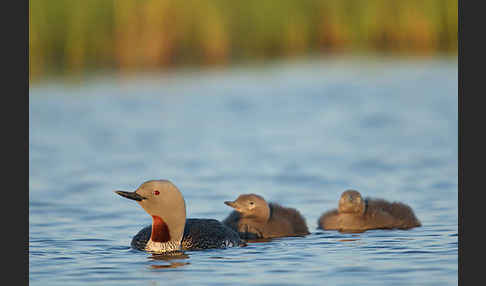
x=299 y=135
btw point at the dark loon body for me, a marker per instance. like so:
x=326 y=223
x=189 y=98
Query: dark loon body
x=198 y=234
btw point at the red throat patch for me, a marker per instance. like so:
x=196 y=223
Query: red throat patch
x=160 y=230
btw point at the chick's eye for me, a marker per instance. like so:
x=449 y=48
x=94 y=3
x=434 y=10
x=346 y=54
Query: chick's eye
x=252 y=203
x=156 y=192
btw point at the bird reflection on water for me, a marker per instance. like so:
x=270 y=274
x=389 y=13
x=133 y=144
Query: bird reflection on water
x=172 y=258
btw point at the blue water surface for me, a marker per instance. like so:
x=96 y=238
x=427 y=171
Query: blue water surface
x=297 y=133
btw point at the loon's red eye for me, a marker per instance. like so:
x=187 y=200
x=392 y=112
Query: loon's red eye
x=156 y=192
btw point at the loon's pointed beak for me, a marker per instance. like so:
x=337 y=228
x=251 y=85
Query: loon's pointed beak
x=131 y=195
x=231 y=204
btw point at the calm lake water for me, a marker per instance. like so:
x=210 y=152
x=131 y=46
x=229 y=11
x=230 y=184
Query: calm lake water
x=297 y=133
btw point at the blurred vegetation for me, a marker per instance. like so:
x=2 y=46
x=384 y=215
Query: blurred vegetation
x=74 y=36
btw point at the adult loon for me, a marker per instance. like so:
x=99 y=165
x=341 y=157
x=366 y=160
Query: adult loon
x=170 y=231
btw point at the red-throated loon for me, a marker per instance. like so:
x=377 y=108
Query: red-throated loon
x=170 y=231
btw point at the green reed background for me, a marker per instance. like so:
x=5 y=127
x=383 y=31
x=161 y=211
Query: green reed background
x=70 y=37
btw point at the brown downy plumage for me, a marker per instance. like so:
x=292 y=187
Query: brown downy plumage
x=357 y=214
x=254 y=218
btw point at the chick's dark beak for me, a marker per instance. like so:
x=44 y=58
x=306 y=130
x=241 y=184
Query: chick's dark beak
x=231 y=204
x=131 y=195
